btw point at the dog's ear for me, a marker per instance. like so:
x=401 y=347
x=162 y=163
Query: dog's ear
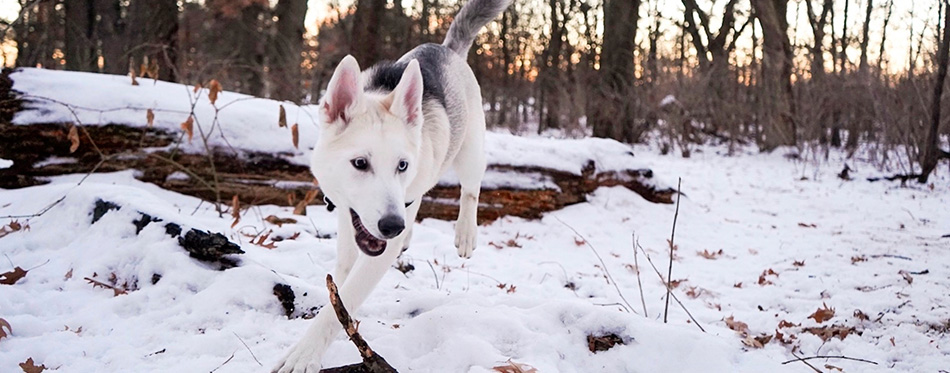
x=343 y=90
x=407 y=97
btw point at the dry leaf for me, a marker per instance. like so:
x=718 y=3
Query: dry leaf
x=513 y=367
x=823 y=314
x=73 y=138
x=603 y=343
x=189 y=126
x=861 y=315
x=301 y=208
x=152 y=71
x=150 y=117
x=710 y=255
x=828 y=332
x=115 y=290
x=5 y=324
x=739 y=326
x=235 y=210
x=69 y=274
x=134 y=82
x=855 y=259
x=29 y=367
x=10 y=278
x=799 y=263
x=295 y=135
x=787 y=324
x=273 y=219
x=762 y=280
x=282 y=117
x=757 y=341
x=832 y=367
x=805 y=225
x=197 y=88
x=213 y=89
x=907 y=276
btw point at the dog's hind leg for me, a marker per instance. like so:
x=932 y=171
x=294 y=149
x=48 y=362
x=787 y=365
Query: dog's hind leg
x=469 y=164
x=346 y=250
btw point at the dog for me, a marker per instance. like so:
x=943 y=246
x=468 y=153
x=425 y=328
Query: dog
x=386 y=136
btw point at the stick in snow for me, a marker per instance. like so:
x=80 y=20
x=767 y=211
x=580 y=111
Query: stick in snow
x=372 y=362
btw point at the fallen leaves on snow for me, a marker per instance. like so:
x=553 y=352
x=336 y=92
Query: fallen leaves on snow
x=823 y=314
x=29 y=366
x=10 y=278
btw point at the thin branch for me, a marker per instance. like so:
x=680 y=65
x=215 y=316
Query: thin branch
x=798 y=358
x=830 y=357
x=248 y=349
x=669 y=272
x=636 y=265
x=371 y=360
x=603 y=266
x=660 y=275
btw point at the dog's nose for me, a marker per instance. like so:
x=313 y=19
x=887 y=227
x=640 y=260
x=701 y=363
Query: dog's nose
x=391 y=226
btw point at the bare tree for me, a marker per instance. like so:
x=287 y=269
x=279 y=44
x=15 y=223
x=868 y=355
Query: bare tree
x=932 y=153
x=287 y=47
x=611 y=113
x=80 y=33
x=863 y=64
x=367 y=41
x=111 y=33
x=777 y=107
x=153 y=33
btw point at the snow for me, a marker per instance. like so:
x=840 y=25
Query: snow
x=5 y=163
x=457 y=316
x=533 y=291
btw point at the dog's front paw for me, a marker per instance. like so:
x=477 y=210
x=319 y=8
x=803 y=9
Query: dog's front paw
x=303 y=358
x=465 y=239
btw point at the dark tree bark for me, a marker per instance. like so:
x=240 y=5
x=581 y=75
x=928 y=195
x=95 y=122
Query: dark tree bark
x=287 y=47
x=367 y=41
x=887 y=20
x=863 y=64
x=931 y=153
x=818 y=23
x=37 y=34
x=80 y=36
x=612 y=111
x=111 y=32
x=777 y=111
x=154 y=34
x=843 y=44
x=551 y=71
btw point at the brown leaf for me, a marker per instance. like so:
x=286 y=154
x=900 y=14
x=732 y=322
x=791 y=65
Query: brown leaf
x=739 y=326
x=134 y=82
x=150 y=117
x=73 y=138
x=757 y=341
x=805 y=225
x=10 y=278
x=832 y=367
x=676 y=283
x=860 y=315
x=69 y=274
x=513 y=367
x=694 y=291
x=5 y=324
x=710 y=255
x=799 y=263
x=295 y=135
x=301 y=208
x=603 y=343
x=214 y=87
x=273 y=219
x=787 y=324
x=189 y=126
x=235 y=210
x=117 y=291
x=511 y=289
x=29 y=367
x=855 y=259
x=762 y=280
x=907 y=276
x=282 y=117
x=197 y=88
x=152 y=71
x=823 y=314
x=828 y=332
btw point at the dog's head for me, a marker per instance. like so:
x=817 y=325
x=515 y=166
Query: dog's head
x=366 y=156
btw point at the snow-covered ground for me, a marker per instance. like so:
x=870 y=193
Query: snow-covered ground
x=532 y=293
x=762 y=243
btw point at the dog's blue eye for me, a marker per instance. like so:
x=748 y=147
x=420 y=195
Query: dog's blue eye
x=360 y=163
x=403 y=165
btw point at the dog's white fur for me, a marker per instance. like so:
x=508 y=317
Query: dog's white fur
x=385 y=127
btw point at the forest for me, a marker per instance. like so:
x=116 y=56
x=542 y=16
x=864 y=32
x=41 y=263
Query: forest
x=812 y=74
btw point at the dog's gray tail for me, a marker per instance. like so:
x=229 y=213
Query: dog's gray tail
x=470 y=20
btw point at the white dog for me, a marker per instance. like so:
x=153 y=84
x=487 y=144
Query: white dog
x=387 y=135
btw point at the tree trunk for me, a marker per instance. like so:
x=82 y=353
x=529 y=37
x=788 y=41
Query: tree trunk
x=367 y=41
x=777 y=108
x=611 y=114
x=154 y=34
x=863 y=65
x=550 y=79
x=111 y=32
x=80 y=32
x=887 y=19
x=286 y=75
x=842 y=51
x=818 y=23
x=931 y=153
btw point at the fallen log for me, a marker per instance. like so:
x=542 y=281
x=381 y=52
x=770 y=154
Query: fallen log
x=253 y=158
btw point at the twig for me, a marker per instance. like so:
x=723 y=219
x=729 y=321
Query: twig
x=669 y=272
x=671 y=293
x=636 y=265
x=804 y=362
x=603 y=266
x=437 y=285
x=225 y=362
x=829 y=357
x=248 y=349
x=371 y=360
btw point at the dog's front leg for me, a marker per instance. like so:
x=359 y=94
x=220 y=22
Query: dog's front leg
x=306 y=355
